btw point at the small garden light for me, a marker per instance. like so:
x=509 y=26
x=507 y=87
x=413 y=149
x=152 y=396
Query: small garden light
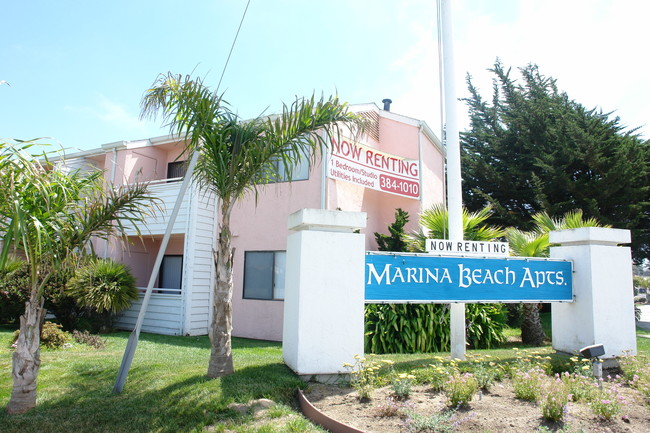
x=593 y=352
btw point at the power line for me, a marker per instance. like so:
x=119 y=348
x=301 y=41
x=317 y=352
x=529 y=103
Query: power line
x=233 y=45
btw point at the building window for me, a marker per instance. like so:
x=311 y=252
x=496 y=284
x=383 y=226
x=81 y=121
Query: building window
x=171 y=273
x=264 y=274
x=299 y=172
x=176 y=169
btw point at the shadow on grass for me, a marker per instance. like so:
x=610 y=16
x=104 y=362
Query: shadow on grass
x=149 y=402
x=202 y=341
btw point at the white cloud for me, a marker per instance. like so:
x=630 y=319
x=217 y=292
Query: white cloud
x=122 y=122
x=593 y=48
x=118 y=115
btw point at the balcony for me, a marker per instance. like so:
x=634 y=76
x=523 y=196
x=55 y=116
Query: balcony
x=166 y=191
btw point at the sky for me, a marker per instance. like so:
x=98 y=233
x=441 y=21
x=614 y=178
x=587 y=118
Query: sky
x=77 y=70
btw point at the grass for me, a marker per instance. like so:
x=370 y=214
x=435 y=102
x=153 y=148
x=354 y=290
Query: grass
x=167 y=389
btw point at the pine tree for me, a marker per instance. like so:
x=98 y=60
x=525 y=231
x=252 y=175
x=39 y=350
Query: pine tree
x=533 y=149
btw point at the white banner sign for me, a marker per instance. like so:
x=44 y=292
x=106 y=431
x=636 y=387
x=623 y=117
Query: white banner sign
x=476 y=248
x=362 y=165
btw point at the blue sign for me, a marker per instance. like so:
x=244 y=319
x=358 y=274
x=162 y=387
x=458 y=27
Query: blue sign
x=425 y=278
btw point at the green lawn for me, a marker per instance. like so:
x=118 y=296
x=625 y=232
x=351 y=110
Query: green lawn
x=167 y=390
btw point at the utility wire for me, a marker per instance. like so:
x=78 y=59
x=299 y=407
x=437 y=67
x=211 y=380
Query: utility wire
x=233 y=45
x=132 y=342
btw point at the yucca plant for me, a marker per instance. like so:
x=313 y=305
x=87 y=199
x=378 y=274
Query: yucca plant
x=103 y=285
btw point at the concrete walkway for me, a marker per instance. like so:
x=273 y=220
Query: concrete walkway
x=644 y=323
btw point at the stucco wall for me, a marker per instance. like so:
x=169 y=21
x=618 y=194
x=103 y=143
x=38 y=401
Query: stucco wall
x=263 y=227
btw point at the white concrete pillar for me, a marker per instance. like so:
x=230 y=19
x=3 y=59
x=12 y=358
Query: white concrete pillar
x=324 y=291
x=603 y=307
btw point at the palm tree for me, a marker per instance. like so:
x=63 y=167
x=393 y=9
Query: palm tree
x=535 y=243
x=434 y=223
x=48 y=217
x=235 y=157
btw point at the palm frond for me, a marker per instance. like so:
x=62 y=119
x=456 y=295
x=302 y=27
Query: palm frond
x=50 y=215
x=436 y=221
x=527 y=244
x=237 y=155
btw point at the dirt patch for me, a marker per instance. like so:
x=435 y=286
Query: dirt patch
x=494 y=411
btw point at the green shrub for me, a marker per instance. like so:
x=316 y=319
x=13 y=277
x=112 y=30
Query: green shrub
x=609 y=403
x=14 y=291
x=460 y=389
x=401 y=384
x=406 y=328
x=103 y=286
x=364 y=375
x=412 y=328
x=636 y=371
x=52 y=336
x=485 y=371
x=528 y=384
x=554 y=403
x=485 y=325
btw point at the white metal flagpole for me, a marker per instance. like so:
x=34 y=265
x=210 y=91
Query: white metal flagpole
x=132 y=343
x=454 y=189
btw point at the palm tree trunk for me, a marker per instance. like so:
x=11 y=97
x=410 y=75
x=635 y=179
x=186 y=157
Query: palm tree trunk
x=220 y=363
x=531 y=326
x=26 y=360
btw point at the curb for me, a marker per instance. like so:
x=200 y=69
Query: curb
x=313 y=414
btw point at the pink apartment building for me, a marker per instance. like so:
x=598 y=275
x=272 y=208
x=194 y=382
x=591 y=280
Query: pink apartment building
x=398 y=163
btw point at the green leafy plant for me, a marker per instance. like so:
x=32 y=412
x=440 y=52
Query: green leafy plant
x=527 y=384
x=406 y=328
x=398 y=239
x=401 y=384
x=460 y=389
x=14 y=290
x=412 y=328
x=104 y=286
x=52 y=336
x=442 y=422
x=485 y=371
x=437 y=374
x=580 y=387
x=554 y=403
x=608 y=404
x=393 y=406
x=365 y=376
x=636 y=371
x=485 y=325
